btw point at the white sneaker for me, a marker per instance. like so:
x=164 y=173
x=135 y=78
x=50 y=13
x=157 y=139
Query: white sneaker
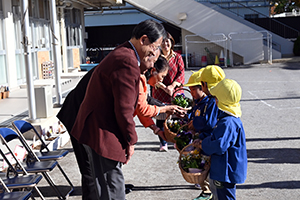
x=163 y=148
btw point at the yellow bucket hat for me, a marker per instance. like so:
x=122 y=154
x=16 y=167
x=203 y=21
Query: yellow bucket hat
x=194 y=78
x=228 y=93
x=212 y=74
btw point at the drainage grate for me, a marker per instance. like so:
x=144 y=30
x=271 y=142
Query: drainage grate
x=8 y=122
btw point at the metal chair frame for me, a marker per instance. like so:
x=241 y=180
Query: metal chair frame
x=23 y=126
x=18 y=195
x=11 y=180
x=31 y=165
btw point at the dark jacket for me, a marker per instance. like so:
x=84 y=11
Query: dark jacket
x=68 y=112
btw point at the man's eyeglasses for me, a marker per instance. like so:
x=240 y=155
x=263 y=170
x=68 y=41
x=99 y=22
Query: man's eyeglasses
x=153 y=46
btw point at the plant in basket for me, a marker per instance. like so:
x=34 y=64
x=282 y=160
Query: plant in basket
x=175 y=124
x=181 y=100
x=193 y=160
x=183 y=138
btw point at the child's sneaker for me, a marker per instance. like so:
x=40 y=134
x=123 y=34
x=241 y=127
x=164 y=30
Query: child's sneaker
x=198 y=186
x=204 y=196
x=163 y=148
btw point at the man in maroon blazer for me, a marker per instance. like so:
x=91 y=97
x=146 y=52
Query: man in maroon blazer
x=105 y=118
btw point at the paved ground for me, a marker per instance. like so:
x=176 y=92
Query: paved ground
x=271 y=109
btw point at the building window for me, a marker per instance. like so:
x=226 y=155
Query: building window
x=73 y=27
x=38 y=34
x=44 y=9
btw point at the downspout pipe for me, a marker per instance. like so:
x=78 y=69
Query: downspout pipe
x=56 y=53
x=27 y=57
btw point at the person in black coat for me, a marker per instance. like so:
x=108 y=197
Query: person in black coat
x=67 y=115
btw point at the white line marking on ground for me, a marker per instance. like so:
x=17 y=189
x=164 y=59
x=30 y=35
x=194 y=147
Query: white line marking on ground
x=261 y=100
x=269 y=105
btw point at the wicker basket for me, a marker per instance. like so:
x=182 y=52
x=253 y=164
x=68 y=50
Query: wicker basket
x=193 y=178
x=178 y=89
x=168 y=133
x=177 y=134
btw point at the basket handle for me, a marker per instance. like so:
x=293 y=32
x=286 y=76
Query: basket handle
x=181 y=128
x=184 y=148
x=168 y=116
x=180 y=88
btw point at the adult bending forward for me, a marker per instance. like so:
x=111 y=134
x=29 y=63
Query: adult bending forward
x=105 y=118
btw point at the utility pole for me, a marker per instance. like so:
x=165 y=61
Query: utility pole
x=56 y=52
x=27 y=58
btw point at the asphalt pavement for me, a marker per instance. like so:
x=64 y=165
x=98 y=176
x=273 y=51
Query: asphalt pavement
x=270 y=112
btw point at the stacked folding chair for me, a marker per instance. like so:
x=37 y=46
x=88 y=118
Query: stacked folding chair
x=31 y=165
x=6 y=194
x=44 y=154
x=12 y=181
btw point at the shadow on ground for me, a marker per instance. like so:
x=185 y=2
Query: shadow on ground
x=274 y=185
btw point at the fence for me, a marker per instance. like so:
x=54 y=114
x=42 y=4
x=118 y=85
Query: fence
x=253 y=47
x=234 y=49
x=203 y=50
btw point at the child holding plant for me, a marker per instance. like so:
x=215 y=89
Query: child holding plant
x=202 y=119
x=205 y=112
x=227 y=143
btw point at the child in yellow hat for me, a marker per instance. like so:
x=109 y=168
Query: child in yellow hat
x=202 y=119
x=205 y=118
x=227 y=143
x=210 y=77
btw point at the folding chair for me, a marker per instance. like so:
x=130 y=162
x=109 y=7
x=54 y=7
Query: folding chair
x=30 y=166
x=7 y=194
x=11 y=180
x=22 y=127
x=18 y=195
x=21 y=182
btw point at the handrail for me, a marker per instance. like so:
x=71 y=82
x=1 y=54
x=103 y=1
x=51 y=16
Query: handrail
x=218 y=2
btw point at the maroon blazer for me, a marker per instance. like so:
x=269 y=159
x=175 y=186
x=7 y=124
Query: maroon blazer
x=105 y=117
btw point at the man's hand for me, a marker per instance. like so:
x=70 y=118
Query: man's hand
x=129 y=153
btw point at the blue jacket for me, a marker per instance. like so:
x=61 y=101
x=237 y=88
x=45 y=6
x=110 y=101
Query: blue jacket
x=227 y=147
x=204 y=116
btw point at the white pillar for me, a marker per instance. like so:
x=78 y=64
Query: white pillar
x=56 y=52
x=27 y=57
x=63 y=41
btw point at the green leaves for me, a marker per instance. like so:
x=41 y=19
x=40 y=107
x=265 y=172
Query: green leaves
x=181 y=100
x=183 y=138
x=194 y=160
x=174 y=124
